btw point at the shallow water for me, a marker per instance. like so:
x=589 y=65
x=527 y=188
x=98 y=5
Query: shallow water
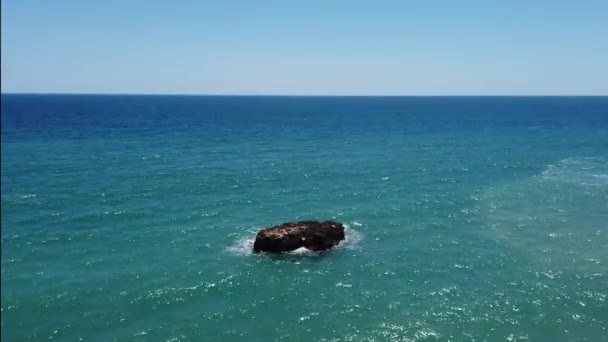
x=133 y=217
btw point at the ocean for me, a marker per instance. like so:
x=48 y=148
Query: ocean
x=132 y=218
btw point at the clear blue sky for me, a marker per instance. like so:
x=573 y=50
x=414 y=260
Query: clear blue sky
x=532 y=47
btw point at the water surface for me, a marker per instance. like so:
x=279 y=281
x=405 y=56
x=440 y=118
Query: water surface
x=469 y=218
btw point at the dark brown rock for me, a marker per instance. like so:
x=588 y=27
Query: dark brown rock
x=313 y=235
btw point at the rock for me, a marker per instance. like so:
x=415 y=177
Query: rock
x=313 y=235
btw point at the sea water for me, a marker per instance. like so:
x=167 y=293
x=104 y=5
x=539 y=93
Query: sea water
x=468 y=218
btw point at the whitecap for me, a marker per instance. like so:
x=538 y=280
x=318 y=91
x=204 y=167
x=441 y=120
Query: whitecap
x=340 y=284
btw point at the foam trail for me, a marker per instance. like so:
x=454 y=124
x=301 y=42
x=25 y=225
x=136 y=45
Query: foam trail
x=587 y=171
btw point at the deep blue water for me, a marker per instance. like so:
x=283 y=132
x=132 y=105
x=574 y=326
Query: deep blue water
x=469 y=218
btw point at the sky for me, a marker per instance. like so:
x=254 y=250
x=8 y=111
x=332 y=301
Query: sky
x=313 y=47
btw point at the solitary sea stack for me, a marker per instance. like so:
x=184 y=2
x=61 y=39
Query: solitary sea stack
x=313 y=235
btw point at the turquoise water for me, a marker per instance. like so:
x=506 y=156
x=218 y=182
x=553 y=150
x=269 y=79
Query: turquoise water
x=133 y=217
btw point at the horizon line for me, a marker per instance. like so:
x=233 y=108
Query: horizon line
x=303 y=95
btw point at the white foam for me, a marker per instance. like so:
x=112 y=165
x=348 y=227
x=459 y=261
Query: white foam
x=303 y=251
x=340 y=284
x=243 y=246
x=351 y=238
x=587 y=171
